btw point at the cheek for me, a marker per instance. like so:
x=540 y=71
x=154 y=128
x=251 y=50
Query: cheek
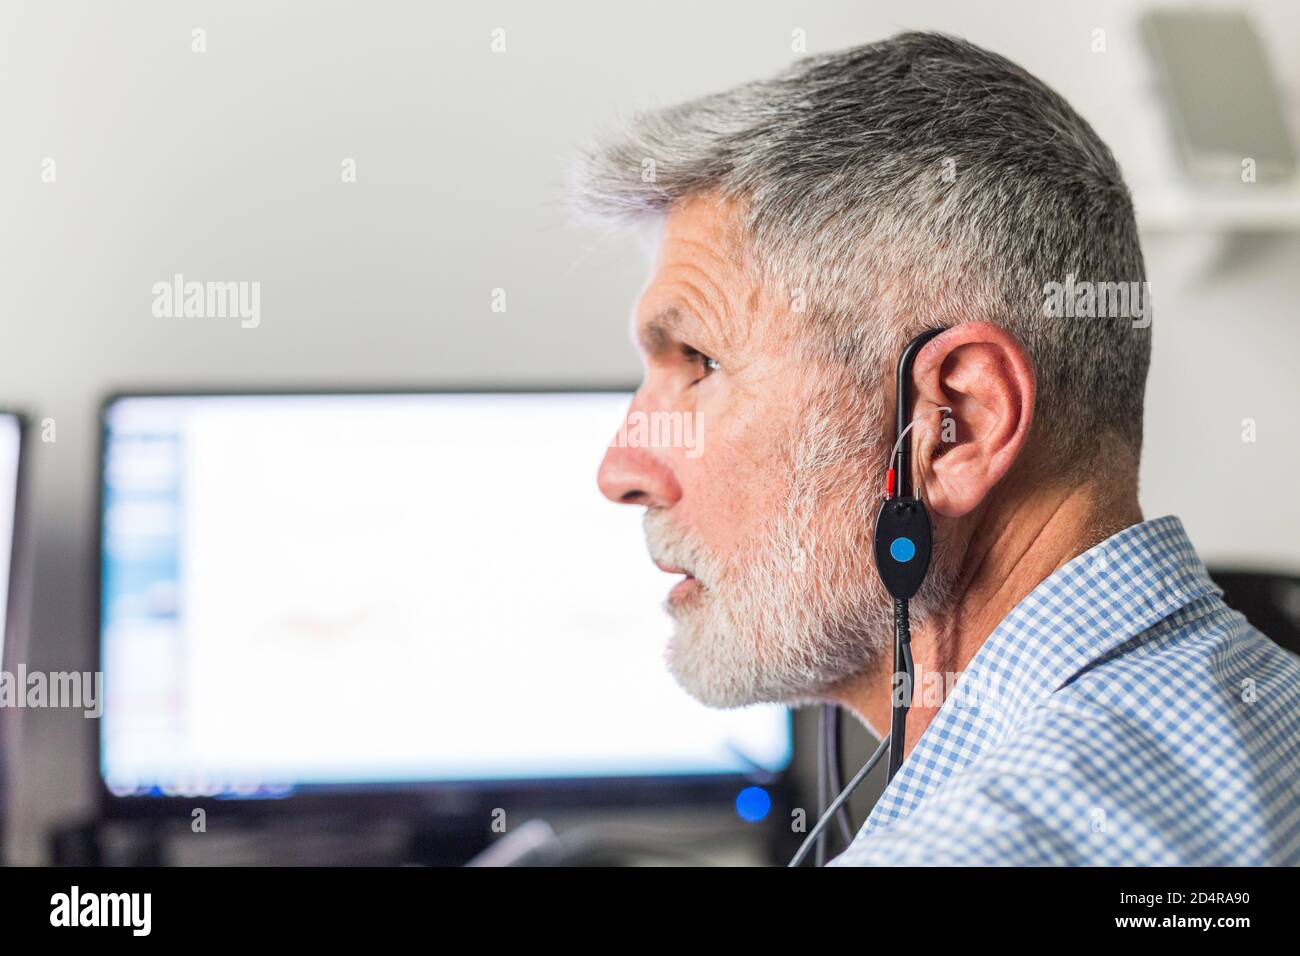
x=735 y=485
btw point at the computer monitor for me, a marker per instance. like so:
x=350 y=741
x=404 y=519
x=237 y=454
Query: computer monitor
x=309 y=595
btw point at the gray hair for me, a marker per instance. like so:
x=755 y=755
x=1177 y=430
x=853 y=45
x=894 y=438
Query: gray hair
x=914 y=182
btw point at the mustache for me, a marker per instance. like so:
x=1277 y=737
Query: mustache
x=676 y=547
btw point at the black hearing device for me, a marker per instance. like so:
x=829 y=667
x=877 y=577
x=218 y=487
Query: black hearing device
x=902 y=544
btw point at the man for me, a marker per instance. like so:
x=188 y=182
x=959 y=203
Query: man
x=1110 y=708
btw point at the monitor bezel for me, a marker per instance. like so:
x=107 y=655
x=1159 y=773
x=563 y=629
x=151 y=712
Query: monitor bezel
x=16 y=621
x=427 y=800
x=18 y=539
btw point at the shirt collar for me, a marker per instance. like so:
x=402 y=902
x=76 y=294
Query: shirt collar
x=1085 y=611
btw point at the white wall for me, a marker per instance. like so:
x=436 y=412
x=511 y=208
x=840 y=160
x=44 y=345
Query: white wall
x=226 y=165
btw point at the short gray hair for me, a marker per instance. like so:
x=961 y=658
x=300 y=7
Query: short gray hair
x=913 y=182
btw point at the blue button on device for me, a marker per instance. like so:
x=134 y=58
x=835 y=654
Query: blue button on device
x=902 y=550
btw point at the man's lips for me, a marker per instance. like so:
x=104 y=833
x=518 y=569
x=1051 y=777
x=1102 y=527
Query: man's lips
x=687 y=583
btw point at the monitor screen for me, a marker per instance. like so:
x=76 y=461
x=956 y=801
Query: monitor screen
x=367 y=590
x=10 y=441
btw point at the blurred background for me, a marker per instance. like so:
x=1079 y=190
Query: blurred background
x=392 y=175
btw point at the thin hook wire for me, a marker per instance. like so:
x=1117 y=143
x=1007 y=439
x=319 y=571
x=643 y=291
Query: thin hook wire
x=894 y=454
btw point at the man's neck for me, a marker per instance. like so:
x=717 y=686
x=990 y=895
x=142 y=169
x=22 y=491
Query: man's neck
x=1020 y=540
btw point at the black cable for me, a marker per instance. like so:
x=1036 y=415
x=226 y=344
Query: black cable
x=833 y=715
x=900 y=697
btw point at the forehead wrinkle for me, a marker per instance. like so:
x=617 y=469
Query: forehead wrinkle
x=706 y=303
x=697 y=265
x=717 y=314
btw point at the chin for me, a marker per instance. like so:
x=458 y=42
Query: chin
x=718 y=665
x=724 y=660
x=701 y=658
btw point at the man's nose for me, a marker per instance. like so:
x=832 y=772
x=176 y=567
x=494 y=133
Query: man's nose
x=636 y=476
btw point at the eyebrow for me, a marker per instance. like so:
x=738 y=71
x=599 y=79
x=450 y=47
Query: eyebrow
x=657 y=335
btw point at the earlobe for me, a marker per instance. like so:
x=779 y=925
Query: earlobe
x=984 y=374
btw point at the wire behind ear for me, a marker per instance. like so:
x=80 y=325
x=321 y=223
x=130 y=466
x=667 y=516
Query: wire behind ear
x=902 y=545
x=903 y=411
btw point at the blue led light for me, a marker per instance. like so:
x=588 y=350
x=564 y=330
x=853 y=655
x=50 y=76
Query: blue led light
x=902 y=550
x=753 y=804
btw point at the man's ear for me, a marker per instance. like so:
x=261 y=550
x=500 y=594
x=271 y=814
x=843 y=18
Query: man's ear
x=984 y=375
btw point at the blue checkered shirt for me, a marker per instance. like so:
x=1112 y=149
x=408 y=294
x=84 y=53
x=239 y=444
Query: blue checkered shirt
x=1121 y=714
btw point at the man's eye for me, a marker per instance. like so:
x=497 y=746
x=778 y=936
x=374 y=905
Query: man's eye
x=707 y=364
